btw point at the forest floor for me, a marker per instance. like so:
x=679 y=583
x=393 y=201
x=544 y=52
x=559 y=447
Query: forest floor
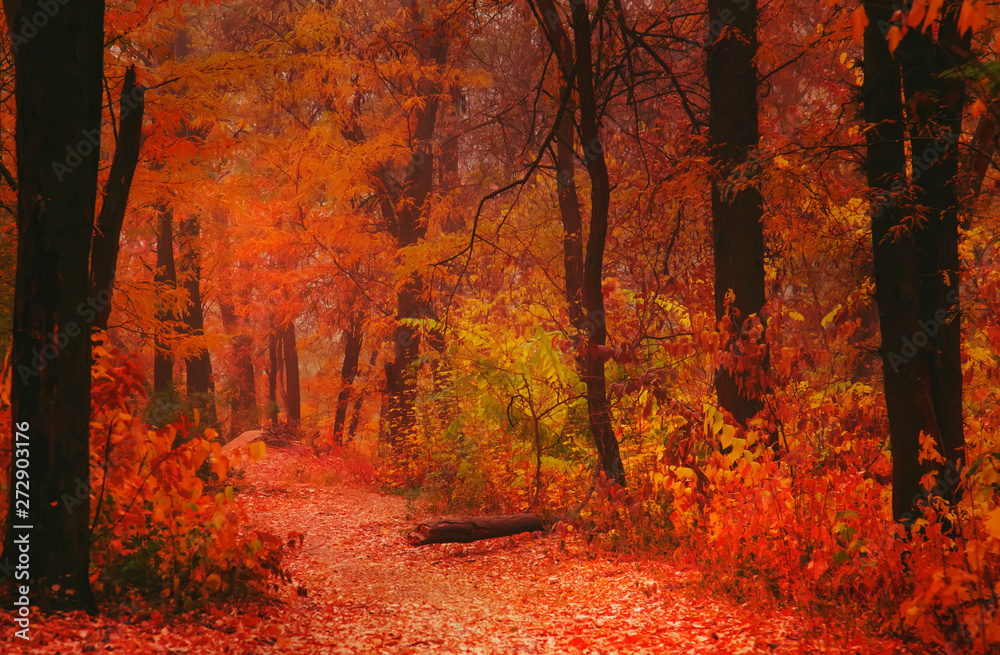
x=359 y=587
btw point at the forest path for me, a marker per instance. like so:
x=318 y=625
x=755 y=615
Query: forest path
x=369 y=591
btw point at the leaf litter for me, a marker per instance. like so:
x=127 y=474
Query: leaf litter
x=360 y=587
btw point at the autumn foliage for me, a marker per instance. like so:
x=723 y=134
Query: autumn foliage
x=376 y=229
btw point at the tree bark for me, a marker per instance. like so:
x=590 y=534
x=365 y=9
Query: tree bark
x=935 y=101
x=916 y=271
x=273 y=359
x=242 y=392
x=737 y=206
x=464 y=530
x=410 y=227
x=569 y=201
x=584 y=275
x=199 y=366
x=57 y=86
x=293 y=397
x=166 y=281
x=348 y=371
x=359 y=399
x=593 y=266
x=104 y=257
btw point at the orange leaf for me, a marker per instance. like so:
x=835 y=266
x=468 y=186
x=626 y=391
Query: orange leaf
x=894 y=36
x=978 y=107
x=916 y=13
x=859 y=21
x=932 y=12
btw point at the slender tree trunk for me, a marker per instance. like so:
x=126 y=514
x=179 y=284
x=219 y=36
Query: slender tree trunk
x=104 y=259
x=199 y=366
x=359 y=398
x=57 y=86
x=410 y=227
x=569 y=201
x=166 y=281
x=293 y=398
x=349 y=370
x=737 y=206
x=273 y=360
x=242 y=392
x=584 y=276
x=593 y=266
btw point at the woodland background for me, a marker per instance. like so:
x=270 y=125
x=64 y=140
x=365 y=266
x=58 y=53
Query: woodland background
x=652 y=270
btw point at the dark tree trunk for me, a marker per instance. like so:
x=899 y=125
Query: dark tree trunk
x=916 y=261
x=57 y=86
x=242 y=392
x=348 y=371
x=584 y=276
x=982 y=149
x=166 y=281
x=293 y=398
x=464 y=530
x=273 y=360
x=593 y=266
x=104 y=259
x=410 y=227
x=359 y=399
x=928 y=67
x=737 y=206
x=199 y=366
x=569 y=202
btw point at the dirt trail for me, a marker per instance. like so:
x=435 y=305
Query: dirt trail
x=370 y=592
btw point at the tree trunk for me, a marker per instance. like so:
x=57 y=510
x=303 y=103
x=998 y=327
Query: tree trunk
x=199 y=367
x=593 y=266
x=410 y=227
x=57 y=80
x=359 y=399
x=737 y=206
x=242 y=393
x=166 y=281
x=464 y=530
x=923 y=346
x=584 y=276
x=569 y=201
x=273 y=359
x=293 y=398
x=349 y=370
x=104 y=259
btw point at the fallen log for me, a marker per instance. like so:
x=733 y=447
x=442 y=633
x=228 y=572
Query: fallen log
x=465 y=529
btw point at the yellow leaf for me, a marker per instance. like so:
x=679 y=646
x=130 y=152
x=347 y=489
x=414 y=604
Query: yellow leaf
x=257 y=450
x=213 y=582
x=831 y=316
x=859 y=21
x=684 y=472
